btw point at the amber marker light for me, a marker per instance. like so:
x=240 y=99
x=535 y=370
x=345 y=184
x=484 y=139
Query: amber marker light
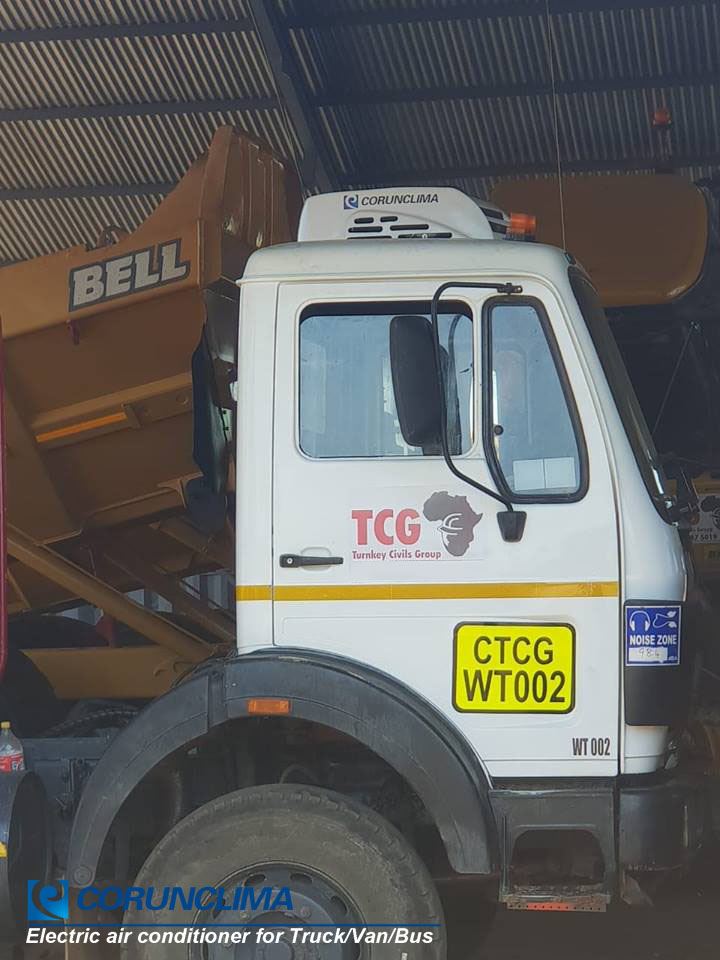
x=268 y=707
x=522 y=226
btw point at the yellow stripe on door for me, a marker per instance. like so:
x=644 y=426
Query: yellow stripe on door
x=430 y=591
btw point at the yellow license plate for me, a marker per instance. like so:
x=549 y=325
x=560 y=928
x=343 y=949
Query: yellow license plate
x=514 y=668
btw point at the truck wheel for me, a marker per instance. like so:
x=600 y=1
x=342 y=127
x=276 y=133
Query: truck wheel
x=342 y=863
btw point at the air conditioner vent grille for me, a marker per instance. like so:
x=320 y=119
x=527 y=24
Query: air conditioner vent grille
x=380 y=228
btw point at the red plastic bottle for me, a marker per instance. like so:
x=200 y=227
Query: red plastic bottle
x=12 y=756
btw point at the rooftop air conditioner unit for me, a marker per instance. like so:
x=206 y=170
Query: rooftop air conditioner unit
x=401 y=213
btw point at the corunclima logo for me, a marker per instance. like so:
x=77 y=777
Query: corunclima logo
x=350 y=201
x=48 y=902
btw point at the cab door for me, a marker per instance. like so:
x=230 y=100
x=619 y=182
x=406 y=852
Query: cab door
x=381 y=555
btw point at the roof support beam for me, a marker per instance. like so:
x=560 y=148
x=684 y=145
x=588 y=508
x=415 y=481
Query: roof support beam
x=383 y=177
x=378 y=177
x=84 y=191
x=315 y=166
x=158 y=108
x=512 y=90
x=105 y=31
x=467 y=10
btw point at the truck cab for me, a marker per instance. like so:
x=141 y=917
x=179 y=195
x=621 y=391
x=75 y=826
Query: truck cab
x=372 y=532
x=366 y=545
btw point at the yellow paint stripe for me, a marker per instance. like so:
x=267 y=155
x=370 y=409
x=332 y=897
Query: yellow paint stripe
x=81 y=427
x=430 y=591
x=253 y=593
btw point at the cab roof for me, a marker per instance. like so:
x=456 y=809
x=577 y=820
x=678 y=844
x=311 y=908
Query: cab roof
x=407 y=258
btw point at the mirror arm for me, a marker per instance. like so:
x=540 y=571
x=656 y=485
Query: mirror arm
x=512 y=523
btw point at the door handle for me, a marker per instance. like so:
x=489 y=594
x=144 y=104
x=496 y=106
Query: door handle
x=304 y=560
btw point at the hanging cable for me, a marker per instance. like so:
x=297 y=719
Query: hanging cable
x=692 y=327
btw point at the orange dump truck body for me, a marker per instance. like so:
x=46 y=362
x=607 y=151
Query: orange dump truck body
x=98 y=350
x=642 y=239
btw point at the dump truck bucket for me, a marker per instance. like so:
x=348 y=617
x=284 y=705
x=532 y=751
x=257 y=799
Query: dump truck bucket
x=106 y=350
x=100 y=345
x=643 y=239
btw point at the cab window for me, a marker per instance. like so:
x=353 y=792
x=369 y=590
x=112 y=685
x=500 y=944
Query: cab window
x=347 y=402
x=532 y=432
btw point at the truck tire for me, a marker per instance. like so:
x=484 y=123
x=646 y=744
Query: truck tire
x=343 y=865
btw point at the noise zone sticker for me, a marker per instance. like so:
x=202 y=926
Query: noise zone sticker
x=514 y=668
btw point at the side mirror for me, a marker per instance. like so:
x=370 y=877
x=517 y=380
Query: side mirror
x=415 y=381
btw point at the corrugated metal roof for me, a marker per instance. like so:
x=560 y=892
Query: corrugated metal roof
x=104 y=103
x=445 y=95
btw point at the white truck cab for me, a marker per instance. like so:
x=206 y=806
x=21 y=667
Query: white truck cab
x=358 y=541
x=444 y=477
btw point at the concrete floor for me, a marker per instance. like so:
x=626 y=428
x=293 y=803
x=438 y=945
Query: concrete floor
x=687 y=931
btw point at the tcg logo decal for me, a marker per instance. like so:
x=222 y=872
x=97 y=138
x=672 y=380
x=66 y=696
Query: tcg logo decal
x=444 y=530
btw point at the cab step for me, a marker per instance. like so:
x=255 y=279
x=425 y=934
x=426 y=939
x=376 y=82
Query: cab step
x=559 y=901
